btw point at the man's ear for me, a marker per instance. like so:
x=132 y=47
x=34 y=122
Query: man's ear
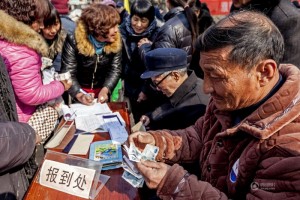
x=266 y=71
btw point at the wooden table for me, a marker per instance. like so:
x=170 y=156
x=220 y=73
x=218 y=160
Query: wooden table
x=115 y=188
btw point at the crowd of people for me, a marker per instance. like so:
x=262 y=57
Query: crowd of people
x=219 y=99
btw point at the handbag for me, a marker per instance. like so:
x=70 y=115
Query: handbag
x=43 y=121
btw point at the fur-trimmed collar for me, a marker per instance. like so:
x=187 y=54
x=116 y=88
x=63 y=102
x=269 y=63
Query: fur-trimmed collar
x=19 y=33
x=86 y=48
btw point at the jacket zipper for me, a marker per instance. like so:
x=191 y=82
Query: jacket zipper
x=96 y=66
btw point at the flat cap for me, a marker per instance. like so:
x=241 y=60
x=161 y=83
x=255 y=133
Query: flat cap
x=161 y=60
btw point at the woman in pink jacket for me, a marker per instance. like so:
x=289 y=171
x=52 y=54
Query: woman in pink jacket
x=21 y=47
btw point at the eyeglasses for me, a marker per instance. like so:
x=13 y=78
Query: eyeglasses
x=155 y=85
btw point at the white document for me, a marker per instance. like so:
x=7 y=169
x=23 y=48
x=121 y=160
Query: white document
x=118 y=134
x=97 y=108
x=81 y=145
x=67 y=178
x=87 y=123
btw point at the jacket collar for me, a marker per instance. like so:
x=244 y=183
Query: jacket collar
x=19 y=33
x=173 y=12
x=86 y=48
x=184 y=88
x=279 y=110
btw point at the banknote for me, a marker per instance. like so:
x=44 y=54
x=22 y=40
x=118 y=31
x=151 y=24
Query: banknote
x=128 y=169
x=134 y=154
x=132 y=180
x=150 y=152
x=131 y=174
x=63 y=76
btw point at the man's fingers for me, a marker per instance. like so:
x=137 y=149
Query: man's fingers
x=150 y=164
x=146 y=139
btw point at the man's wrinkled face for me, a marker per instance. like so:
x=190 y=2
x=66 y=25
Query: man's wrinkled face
x=163 y=83
x=230 y=86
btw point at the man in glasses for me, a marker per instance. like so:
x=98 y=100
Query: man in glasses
x=167 y=68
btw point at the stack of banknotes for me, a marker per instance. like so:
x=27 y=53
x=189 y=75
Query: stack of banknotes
x=131 y=174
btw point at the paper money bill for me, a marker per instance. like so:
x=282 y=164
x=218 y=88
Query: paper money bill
x=132 y=180
x=134 y=154
x=128 y=169
x=130 y=165
x=63 y=76
x=150 y=152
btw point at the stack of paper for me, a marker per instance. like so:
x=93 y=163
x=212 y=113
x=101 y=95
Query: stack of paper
x=131 y=174
x=115 y=125
x=95 y=109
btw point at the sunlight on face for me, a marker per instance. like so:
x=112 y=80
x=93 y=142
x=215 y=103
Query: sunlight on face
x=111 y=36
x=139 y=25
x=38 y=25
x=230 y=86
x=51 y=31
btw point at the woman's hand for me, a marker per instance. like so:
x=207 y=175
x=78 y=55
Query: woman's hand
x=144 y=41
x=67 y=84
x=86 y=99
x=103 y=95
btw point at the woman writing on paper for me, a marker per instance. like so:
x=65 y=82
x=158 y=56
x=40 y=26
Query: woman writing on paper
x=93 y=54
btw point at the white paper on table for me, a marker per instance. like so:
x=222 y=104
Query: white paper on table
x=118 y=134
x=81 y=145
x=114 y=119
x=88 y=123
x=83 y=110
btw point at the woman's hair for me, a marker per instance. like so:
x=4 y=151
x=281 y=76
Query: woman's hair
x=143 y=8
x=190 y=15
x=26 y=11
x=99 y=19
x=51 y=18
x=42 y=8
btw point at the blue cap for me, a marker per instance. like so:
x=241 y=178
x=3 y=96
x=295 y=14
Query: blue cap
x=162 y=60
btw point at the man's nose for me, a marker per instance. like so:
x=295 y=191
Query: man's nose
x=207 y=86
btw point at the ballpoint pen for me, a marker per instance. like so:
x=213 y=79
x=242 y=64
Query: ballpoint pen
x=84 y=92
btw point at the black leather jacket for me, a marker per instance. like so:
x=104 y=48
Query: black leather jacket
x=175 y=33
x=86 y=67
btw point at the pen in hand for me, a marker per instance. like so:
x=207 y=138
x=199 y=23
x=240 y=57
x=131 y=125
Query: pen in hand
x=84 y=92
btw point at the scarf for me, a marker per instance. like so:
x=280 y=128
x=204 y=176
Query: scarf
x=97 y=45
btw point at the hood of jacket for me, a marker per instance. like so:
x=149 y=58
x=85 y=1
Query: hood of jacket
x=19 y=33
x=86 y=48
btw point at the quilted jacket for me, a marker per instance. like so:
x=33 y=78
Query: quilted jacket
x=175 y=33
x=21 y=48
x=259 y=158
